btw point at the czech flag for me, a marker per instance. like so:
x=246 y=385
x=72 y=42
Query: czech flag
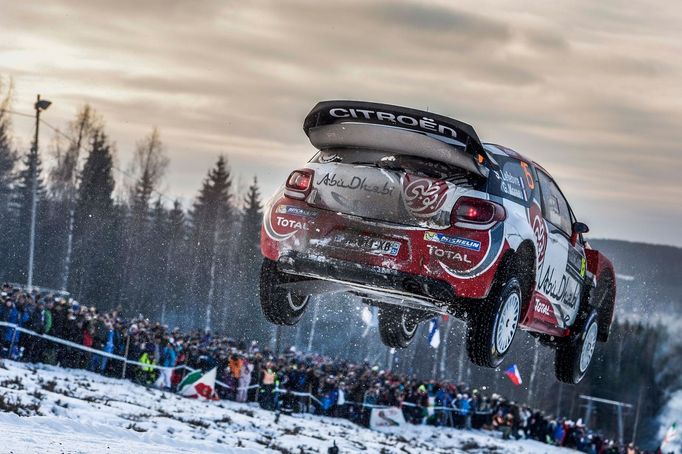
x=514 y=375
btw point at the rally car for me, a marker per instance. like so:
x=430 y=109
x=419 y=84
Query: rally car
x=410 y=211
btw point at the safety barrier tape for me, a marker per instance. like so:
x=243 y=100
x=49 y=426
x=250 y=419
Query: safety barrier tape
x=217 y=382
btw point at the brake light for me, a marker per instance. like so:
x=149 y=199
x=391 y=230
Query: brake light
x=301 y=182
x=481 y=212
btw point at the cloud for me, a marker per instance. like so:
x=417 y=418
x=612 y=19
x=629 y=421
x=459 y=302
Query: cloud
x=589 y=90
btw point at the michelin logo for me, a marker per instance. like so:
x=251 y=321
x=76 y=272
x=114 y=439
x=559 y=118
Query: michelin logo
x=441 y=238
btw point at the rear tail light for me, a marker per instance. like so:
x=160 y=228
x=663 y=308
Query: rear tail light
x=299 y=183
x=479 y=212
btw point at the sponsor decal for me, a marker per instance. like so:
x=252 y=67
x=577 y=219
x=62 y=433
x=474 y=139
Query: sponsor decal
x=330 y=158
x=367 y=243
x=560 y=290
x=575 y=263
x=451 y=255
x=424 y=123
x=512 y=185
x=296 y=211
x=497 y=245
x=291 y=223
x=453 y=241
x=540 y=231
x=542 y=308
x=354 y=184
x=529 y=177
x=424 y=197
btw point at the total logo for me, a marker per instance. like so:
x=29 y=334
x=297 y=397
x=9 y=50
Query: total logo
x=452 y=255
x=542 y=307
x=291 y=223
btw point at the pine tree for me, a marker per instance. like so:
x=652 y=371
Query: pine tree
x=176 y=265
x=8 y=161
x=211 y=222
x=156 y=289
x=253 y=217
x=248 y=322
x=20 y=231
x=149 y=163
x=95 y=220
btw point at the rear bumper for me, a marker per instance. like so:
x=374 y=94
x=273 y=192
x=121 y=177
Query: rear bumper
x=372 y=279
x=434 y=264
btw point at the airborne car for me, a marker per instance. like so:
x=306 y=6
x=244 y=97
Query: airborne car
x=410 y=211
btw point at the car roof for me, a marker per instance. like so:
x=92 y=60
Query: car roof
x=506 y=151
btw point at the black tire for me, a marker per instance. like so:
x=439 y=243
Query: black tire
x=397 y=326
x=484 y=346
x=603 y=301
x=570 y=366
x=279 y=305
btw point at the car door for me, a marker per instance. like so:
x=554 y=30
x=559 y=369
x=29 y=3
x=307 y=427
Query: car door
x=560 y=274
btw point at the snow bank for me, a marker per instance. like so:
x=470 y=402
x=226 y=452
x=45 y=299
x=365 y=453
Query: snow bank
x=74 y=411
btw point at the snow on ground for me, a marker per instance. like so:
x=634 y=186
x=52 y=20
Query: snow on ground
x=48 y=409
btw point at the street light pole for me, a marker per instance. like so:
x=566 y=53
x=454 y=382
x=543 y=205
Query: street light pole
x=40 y=105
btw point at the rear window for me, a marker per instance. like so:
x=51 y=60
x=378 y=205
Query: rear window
x=400 y=162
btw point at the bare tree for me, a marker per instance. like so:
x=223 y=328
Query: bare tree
x=147 y=168
x=63 y=176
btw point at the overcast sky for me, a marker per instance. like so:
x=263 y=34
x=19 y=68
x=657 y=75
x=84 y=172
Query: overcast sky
x=592 y=90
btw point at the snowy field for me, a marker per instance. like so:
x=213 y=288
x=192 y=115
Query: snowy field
x=73 y=411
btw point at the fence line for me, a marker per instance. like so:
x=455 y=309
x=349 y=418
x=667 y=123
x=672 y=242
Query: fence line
x=277 y=390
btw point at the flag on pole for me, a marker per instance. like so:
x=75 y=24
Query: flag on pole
x=514 y=375
x=199 y=385
x=434 y=333
x=670 y=435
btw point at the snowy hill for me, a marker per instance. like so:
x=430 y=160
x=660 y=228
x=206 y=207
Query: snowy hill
x=52 y=410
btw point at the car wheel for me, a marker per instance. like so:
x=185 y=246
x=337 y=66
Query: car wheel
x=573 y=358
x=491 y=329
x=279 y=305
x=397 y=326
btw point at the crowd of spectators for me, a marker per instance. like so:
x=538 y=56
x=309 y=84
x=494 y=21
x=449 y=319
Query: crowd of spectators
x=287 y=382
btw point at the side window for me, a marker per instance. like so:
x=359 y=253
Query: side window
x=555 y=207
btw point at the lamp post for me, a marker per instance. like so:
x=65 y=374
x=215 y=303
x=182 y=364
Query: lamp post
x=40 y=105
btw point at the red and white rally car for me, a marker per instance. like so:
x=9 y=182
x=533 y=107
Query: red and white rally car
x=410 y=211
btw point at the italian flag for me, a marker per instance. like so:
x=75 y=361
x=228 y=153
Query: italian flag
x=671 y=435
x=198 y=385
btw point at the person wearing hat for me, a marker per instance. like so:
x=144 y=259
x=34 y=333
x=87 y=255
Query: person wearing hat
x=40 y=321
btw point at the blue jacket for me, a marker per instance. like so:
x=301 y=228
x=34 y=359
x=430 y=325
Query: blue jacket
x=169 y=357
x=464 y=406
x=12 y=316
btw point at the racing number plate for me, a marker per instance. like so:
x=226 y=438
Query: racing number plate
x=369 y=244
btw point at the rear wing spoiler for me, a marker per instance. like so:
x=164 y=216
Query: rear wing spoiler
x=448 y=130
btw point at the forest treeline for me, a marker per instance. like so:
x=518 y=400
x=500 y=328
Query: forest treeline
x=112 y=239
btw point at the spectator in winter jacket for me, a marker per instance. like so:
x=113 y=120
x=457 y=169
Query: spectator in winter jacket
x=14 y=314
x=40 y=321
x=9 y=314
x=244 y=380
x=168 y=360
x=267 y=390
